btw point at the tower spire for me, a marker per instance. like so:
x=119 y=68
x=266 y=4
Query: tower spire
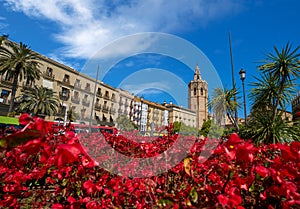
x=197 y=75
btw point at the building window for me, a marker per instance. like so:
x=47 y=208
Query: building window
x=201 y=91
x=76 y=94
x=4 y=96
x=88 y=87
x=66 y=79
x=195 y=91
x=113 y=97
x=99 y=92
x=49 y=72
x=77 y=83
x=106 y=94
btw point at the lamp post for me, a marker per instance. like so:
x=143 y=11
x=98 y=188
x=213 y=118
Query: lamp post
x=243 y=77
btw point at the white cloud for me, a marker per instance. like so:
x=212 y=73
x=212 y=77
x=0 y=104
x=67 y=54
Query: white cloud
x=2 y=24
x=87 y=26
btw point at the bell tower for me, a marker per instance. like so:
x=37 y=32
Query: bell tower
x=198 y=97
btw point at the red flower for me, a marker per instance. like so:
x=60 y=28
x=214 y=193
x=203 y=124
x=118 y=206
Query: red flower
x=24 y=119
x=57 y=206
x=262 y=171
x=244 y=152
x=223 y=200
x=89 y=186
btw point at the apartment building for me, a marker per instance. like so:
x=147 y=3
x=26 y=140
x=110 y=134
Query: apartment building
x=180 y=114
x=157 y=115
x=92 y=101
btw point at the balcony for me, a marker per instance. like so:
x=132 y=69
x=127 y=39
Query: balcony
x=77 y=85
x=106 y=97
x=75 y=100
x=66 y=80
x=85 y=102
x=87 y=88
x=97 y=107
x=99 y=94
x=105 y=109
x=64 y=95
x=49 y=75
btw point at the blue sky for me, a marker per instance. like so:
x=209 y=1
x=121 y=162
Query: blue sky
x=74 y=31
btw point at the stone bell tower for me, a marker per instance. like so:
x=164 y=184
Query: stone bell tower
x=198 y=97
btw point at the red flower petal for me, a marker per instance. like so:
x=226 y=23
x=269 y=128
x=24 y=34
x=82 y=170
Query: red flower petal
x=25 y=119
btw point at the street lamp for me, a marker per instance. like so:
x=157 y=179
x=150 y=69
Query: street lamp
x=243 y=77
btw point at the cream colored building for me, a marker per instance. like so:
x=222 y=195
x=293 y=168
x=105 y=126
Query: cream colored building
x=76 y=91
x=95 y=102
x=180 y=114
x=157 y=115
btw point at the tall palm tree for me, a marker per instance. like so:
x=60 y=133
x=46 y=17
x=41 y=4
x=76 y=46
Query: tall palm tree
x=223 y=103
x=282 y=68
x=39 y=101
x=272 y=94
x=21 y=62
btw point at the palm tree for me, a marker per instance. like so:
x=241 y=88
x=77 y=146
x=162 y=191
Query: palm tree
x=281 y=68
x=272 y=94
x=223 y=103
x=21 y=62
x=39 y=101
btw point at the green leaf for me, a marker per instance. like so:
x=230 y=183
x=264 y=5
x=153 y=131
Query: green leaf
x=194 y=195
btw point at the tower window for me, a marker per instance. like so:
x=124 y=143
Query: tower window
x=201 y=91
x=195 y=91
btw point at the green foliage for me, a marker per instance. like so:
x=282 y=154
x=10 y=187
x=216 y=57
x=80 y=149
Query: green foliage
x=267 y=132
x=124 y=123
x=205 y=128
x=176 y=127
x=71 y=115
x=38 y=101
x=270 y=97
x=19 y=61
x=223 y=104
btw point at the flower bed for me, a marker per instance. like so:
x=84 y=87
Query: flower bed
x=64 y=170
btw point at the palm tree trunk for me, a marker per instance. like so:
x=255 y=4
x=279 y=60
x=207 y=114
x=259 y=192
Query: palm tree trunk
x=13 y=93
x=275 y=110
x=233 y=122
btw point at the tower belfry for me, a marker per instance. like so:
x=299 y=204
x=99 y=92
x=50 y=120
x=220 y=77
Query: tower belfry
x=198 y=97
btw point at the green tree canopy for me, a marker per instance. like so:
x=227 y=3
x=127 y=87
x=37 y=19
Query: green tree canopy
x=124 y=123
x=223 y=103
x=271 y=96
x=20 y=62
x=39 y=101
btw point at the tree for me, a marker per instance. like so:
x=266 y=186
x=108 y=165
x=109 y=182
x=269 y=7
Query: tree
x=39 y=101
x=223 y=103
x=271 y=95
x=123 y=123
x=205 y=128
x=21 y=62
x=281 y=68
